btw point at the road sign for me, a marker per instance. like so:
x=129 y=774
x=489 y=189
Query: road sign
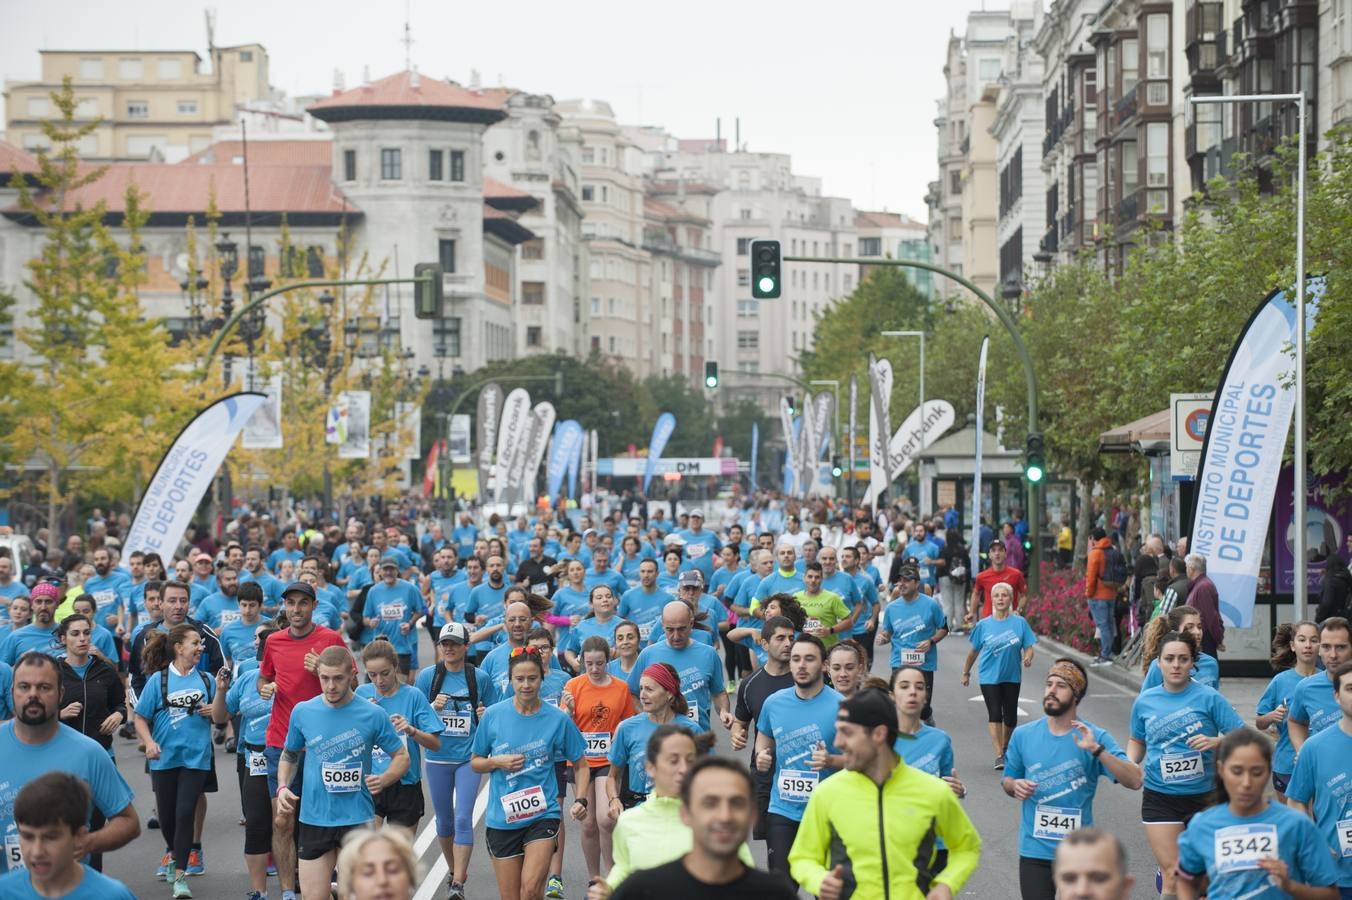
x=1187 y=430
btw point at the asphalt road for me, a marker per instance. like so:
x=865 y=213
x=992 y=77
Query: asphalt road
x=958 y=710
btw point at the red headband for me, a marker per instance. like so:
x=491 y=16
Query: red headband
x=662 y=675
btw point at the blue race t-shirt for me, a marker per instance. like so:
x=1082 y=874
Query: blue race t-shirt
x=1279 y=691
x=1313 y=703
x=272 y=586
x=458 y=718
x=589 y=628
x=442 y=585
x=1164 y=721
x=1067 y=779
x=486 y=600
x=276 y=556
x=700 y=670
x=930 y=750
x=909 y=622
x=700 y=547
x=1000 y=644
x=395 y=606
x=217 y=611
x=243 y=700
x=237 y=640
x=337 y=742
x=516 y=799
x=29 y=637
x=797 y=726
x=1226 y=849
x=17 y=885
x=629 y=749
x=779 y=582
x=644 y=609
x=176 y=723
x=610 y=578
x=409 y=702
x=1321 y=781
x=1206 y=670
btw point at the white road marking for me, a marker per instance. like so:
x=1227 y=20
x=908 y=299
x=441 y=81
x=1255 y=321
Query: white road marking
x=980 y=699
x=436 y=876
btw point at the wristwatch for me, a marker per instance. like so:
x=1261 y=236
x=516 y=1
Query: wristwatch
x=1098 y=752
x=582 y=800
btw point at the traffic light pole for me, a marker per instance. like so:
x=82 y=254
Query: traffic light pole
x=1007 y=320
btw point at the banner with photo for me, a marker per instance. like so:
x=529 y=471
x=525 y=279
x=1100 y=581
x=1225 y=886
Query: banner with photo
x=264 y=429
x=356 y=442
x=657 y=444
x=755 y=451
x=185 y=474
x=1242 y=452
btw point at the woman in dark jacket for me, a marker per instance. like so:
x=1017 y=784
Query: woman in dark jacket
x=94 y=700
x=1336 y=590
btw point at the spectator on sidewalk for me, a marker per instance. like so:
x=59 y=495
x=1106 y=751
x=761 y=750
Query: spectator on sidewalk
x=1203 y=597
x=1101 y=595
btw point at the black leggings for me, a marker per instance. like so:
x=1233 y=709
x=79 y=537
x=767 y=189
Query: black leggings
x=779 y=834
x=176 y=794
x=257 y=806
x=736 y=658
x=1035 y=879
x=1002 y=702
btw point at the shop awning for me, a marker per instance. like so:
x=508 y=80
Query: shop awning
x=1148 y=434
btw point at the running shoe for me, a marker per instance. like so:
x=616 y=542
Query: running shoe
x=166 y=870
x=255 y=895
x=181 y=890
x=218 y=734
x=152 y=822
x=554 y=887
x=455 y=891
x=272 y=867
x=999 y=763
x=197 y=863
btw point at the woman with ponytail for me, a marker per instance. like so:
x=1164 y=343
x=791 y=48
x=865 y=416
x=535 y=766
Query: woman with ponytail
x=1184 y=620
x=1294 y=650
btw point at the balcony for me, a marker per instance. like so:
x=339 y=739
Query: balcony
x=1050 y=241
x=1203 y=21
x=1068 y=222
x=1128 y=208
x=1125 y=109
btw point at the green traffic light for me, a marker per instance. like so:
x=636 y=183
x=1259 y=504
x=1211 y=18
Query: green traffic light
x=1034 y=473
x=710 y=381
x=767 y=284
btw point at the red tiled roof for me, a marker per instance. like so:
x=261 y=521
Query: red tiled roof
x=266 y=153
x=400 y=91
x=504 y=225
x=187 y=189
x=13 y=159
x=659 y=209
x=495 y=188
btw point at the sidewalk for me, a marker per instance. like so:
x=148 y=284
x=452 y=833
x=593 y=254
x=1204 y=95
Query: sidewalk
x=1243 y=693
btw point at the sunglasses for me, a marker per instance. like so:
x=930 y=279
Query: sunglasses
x=527 y=650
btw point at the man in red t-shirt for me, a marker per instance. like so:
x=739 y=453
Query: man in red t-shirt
x=998 y=573
x=287 y=672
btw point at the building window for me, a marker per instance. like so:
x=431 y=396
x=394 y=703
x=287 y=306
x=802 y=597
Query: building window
x=849 y=283
x=610 y=344
x=349 y=165
x=129 y=69
x=743 y=277
x=533 y=293
x=86 y=108
x=446 y=254
x=610 y=307
x=6 y=340
x=436 y=160
x=457 y=165
x=170 y=69
x=588 y=193
x=314 y=261
x=1130 y=168
x=1131 y=64
x=391 y=164
x=1157 y=46
x=955 y=229
x=605 y=194
x=989 y=70
x=1157 y=154
x=446 y=337
x=748 y=340
x=246 y=56
x=38 y=107
x=588 y=155
x=870 y=246
x=533 y=249
x=745 y=214
x=596 y=306
x=748 y=309
x=742 y=245
x=535 y=336
x=187 y=107
x=138 y=109
x=91 y=70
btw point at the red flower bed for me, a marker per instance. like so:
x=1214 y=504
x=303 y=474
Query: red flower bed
x=1060 y=611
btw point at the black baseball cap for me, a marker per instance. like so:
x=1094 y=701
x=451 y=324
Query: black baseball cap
x=300 y=587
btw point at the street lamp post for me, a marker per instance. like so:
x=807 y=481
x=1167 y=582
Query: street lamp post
x=1300 y=589
x=228 y=253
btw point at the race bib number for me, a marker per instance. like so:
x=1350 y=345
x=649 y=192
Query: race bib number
x=1242 y=846
x=455 y=725
x=598 y=744
x=229 y=617
x=644 y=630
x=382 y=759
x=695 y=551
x=913 y=657
x=1053 y=823
x=519 y=806
x=13 y=858
x=257 y=762
x=1345 y=838
x=103 y=598
x=392 y=612
x=339 y=778
x=540 y=590
x=795 y=785
x=1177 y=767
x=693 y=702
x=810 y=623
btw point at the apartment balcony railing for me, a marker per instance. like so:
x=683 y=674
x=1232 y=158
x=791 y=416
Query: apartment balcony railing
x=1050 y=241
x=1129 y=208
x=1125 y=108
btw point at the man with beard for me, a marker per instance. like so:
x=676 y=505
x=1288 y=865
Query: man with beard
x=485 y=601
x=1053 y=766
x=34 y=743
x=222 y=607
x=393 y=608
x=271 y=585
x=109 y=588
x=40 y=633
x=537 y=573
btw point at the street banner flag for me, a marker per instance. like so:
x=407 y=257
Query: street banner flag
x=541 y=424
x=264 y=430
x=185 y=473
x=335 y=421
x=975 y=544
x=513 y=433
x=854 y=422
x=755 y=451
x=562 y=455
x=786 y=420
x=408 y=424
x=657 y=444
x=356 y=442
x=879 y=428
x=431 y=477
x=574 y=465
x=486 y=418
x=1242 y=451
x=917 y=433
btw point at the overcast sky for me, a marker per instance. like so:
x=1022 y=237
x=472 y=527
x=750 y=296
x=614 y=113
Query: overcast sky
x=848 y=89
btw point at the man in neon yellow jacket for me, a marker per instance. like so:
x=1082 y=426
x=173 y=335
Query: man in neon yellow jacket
x=913 y=811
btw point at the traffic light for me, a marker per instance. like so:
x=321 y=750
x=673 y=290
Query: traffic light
x=836 y=470
x=710 y=374
x=1034 y=462
x=765 y=266
x=428 y=293
x=793 y=409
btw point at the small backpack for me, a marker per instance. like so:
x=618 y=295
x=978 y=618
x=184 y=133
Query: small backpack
x=471 y=682
x=1115 y=570
x=164 y=687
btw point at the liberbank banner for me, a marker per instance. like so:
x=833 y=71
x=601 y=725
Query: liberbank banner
x=185 y=473
x=1242 y=452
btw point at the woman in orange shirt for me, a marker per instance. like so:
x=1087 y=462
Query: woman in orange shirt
x=598 y=704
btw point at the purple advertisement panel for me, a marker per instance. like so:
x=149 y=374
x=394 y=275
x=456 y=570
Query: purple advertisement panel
x=1328 y=524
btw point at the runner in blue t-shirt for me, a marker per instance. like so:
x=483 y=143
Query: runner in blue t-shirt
x=660 y=703
x=330 y=738
x=238 y=639
x=1319 y=785
x=642 y=605
x=601 y=621
x=699 y=544
x=418 y=726
x=40 y=633
x=288 y=550
x=698 y=665
x=913 y=624
x=1313 y=705
x=252 y=712
x=486 y=600
x=1294 y=651
x=1000 y=642
x=393 y=607
x=517 y=745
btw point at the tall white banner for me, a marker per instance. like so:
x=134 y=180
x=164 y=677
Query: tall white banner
x=790 y=453
x=264 y=430
x=541 y=424
x=918 y=432
x=356 y=443
x=974 y=545
x=1242 y=453
x=486 y=417
x=879 y=428
x=805 y=456
x=185 y=474
x=513 y=433
x=853 y=426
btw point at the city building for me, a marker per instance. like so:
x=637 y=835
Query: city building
x=1018 y=133
x=156 y=105
x=896 y=236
